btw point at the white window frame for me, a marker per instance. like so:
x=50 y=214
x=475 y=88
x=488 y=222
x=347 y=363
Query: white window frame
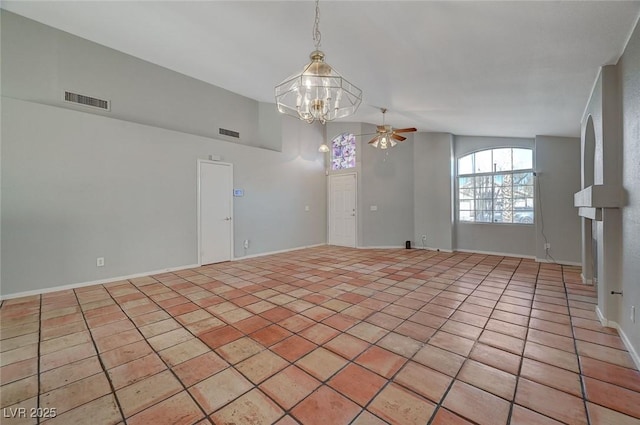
x=526 y=216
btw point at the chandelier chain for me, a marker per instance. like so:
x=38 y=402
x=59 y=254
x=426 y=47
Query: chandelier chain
x=317 y=37
x=318 y=93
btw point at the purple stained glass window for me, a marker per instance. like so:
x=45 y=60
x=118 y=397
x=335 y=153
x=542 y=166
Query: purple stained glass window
x=343 y=151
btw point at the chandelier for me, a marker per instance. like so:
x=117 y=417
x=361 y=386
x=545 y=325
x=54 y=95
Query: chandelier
x=319 y=92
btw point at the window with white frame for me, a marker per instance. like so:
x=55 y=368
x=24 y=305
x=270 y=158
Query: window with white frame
x=496 y=186
x=343 y=151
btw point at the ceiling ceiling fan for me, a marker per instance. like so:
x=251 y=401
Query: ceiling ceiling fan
x=387 y=136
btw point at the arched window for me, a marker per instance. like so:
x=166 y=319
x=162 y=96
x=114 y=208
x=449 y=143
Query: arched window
x=496 y=186
x=343 y=151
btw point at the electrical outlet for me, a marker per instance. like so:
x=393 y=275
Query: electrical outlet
x=100 y=262
x=633 y=314
x=246 y=244
x=547 y=245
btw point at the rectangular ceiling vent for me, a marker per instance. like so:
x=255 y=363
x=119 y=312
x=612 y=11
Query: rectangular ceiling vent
x=92 y=102
x=229 y=133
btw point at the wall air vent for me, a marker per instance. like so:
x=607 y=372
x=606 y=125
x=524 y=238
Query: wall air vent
x=229 y=133
x=92 y=102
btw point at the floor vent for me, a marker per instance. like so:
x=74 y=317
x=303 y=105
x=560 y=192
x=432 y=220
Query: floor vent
x=229 y=133
x=92 y=102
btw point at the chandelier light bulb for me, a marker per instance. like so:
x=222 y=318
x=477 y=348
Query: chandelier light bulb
x=319 y=92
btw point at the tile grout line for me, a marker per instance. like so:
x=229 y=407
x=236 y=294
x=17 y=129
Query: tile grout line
x=575 y=346
x=408 y=263
x=349 y=361
x=230 y=365
x=169 y=368
x=475 y=342
x=95 y=347
x=244 y=334
x=511 y=402
x=39 y=357
x=254 y=386
x=298 y=333
x=438 y=405
x=526 y=338
x=370 y=344
x=564 y=291
x=408 y=359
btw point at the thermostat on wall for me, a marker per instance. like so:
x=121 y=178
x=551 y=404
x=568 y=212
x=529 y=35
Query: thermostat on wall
x=238 y=192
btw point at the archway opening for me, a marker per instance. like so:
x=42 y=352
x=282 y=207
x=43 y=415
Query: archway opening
x=589 y=230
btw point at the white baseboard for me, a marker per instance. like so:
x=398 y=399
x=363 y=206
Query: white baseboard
x=428 y=248
x=93 y=282
x=262 y=254
x=625 y=339
x=601 y=317
x=431 y=248
x=132 y=276
x=502 y=254
x=585 y=281
x=564 y=263
x=632 y=350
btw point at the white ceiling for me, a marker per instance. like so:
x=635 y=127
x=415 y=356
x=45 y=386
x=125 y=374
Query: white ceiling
x=512 y=68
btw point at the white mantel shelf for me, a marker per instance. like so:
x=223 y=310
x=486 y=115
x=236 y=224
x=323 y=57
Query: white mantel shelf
x=598 y=196
x=592 y=199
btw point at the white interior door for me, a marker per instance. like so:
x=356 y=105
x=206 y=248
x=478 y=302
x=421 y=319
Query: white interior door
x=342 y=210
x=215 y=208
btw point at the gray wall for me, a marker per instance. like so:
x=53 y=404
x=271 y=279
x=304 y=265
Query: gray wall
x=385 y=179
x=513 y=239
x=604 y=110
x=558 y=169
x=43 y=62
x=629 y=67
x=614 y=107
x=387 y=182
x=79 y=185
x=432 y=170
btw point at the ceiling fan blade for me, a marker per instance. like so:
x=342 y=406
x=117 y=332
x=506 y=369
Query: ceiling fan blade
x=373 y=140
x=405 y=130
x=398 y=138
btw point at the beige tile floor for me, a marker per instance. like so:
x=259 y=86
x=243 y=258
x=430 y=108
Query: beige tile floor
x=325 y=336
